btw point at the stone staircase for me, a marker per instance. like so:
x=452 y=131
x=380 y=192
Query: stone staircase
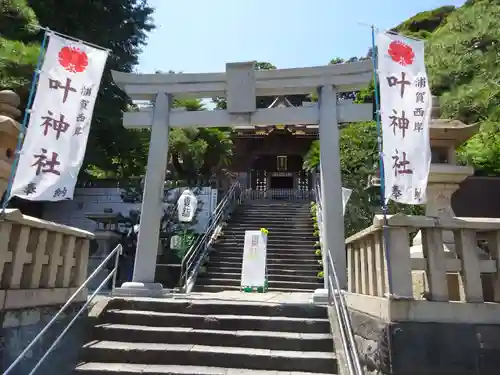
x=156 y=337
x=291 y=263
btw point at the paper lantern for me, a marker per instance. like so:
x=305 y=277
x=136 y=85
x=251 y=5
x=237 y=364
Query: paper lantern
x=186 y=206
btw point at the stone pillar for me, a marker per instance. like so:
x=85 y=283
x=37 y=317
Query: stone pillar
x=106 y=242
x=9 y=133
x=152 y=205
x=331 y=185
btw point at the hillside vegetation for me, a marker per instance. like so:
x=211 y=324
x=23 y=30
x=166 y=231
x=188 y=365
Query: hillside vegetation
x=463 y=63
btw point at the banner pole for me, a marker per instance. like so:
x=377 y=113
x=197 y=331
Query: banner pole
x=24 y=124
x=381 y=162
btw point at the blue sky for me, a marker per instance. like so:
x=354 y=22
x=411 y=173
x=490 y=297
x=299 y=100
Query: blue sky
x=201 y=36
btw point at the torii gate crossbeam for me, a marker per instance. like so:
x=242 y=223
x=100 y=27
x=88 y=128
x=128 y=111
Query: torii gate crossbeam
x=241 y=84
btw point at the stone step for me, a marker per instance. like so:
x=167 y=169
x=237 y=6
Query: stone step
x=226 y=243
x=271 y=270
x=275 y=208
x=222 y=288
x=237 y=227
x=281 y=217
x=170 y=354
x=307 y=342
x=271 y=254
x=273 y=235
x=272 y=277
x=282 y=262
x=310 y=265
x=220 y=322
x=241 y=228
x=269 y=222
x=271 y=241
x=272 y=283
x=96 y=368
x=211 y=307
x=272 y=219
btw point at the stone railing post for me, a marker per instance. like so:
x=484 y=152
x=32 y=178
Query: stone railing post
x=368 y=271
x=41 y=263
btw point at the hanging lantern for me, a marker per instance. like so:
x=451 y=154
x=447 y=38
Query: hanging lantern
x=186 y=206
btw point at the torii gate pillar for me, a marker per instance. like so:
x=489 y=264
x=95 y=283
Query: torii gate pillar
x=331 y=184
x=142 y=283
x=241 y=84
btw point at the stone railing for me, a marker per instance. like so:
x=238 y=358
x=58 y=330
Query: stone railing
x=41 y=263
x=474 y=272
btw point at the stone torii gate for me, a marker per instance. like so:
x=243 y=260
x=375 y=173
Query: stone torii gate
x=241 y=84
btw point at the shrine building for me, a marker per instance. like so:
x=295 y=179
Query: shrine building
x=268 y=159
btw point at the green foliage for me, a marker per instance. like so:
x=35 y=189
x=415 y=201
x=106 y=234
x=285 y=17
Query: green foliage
x=198 y=152
x=463 y=59
x=483 y=150
x=18 y=21
x=423 y=24
x=18 y=48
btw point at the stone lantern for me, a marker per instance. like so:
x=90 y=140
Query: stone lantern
x=9 y=132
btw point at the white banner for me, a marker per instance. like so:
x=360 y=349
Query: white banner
x=58 y=129
x=405 y=111
x=253 y=270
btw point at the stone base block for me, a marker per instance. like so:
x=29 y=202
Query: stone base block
x=426 y=348
x=138 y=289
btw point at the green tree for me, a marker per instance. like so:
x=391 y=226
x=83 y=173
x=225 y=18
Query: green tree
x=19 y=47
x=198 y=152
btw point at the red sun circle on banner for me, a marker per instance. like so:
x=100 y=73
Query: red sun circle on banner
x=401 y=53
x=73 y=59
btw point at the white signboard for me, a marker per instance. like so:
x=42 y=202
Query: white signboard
x=253 y=272
x=58 y=129
x=213 y=200
x=405 y=111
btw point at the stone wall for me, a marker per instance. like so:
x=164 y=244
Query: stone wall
x=425 y=348
x=95 y=200
x=19 y=327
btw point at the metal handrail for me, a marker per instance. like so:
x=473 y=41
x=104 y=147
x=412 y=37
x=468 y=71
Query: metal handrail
x=116 y=252
x=336 y=295
x=191 y=262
